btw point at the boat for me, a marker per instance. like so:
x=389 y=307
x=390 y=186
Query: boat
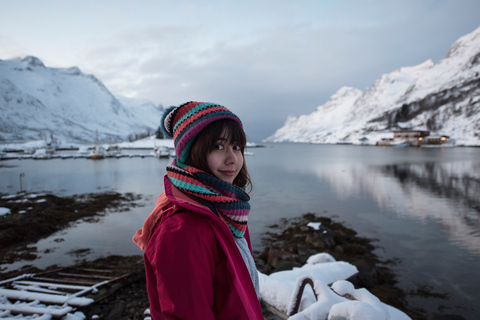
x=114 y=150
x=45 y=152
x=83 y=152
x=98 y=152
x=161 y=152
x=436 y=141
x=364 y=141
x=29 y=151
x=400 y=143
x=385 y=142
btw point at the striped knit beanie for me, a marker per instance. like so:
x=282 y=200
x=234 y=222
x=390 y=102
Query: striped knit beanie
x=183 y=124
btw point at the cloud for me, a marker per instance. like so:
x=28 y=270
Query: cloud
x=280 y=70
x=9 y=48
x=263 y=59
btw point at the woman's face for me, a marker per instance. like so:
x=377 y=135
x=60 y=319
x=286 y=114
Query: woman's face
x=225 y=160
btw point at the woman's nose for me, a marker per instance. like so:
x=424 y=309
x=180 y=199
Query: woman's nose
x=230 y=156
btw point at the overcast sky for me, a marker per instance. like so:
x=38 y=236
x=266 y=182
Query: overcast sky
x=263 y=59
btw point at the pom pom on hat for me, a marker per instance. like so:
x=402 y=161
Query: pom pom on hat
x=165 y=122
x=186 y=121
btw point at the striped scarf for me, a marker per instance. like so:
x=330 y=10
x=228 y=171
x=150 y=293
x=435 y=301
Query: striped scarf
x=224 y=199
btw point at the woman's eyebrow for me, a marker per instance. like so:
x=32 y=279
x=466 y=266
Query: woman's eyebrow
x=228 y=141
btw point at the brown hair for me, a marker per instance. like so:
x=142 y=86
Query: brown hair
x=206 y=141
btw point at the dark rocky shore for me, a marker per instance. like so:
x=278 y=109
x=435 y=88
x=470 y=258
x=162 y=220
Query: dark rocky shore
x=36 y=216
x=287 y=245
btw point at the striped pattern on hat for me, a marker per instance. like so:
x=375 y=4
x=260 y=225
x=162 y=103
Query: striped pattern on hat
x=186 y=121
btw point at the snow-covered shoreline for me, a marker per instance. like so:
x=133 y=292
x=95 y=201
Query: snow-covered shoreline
x=147 y=143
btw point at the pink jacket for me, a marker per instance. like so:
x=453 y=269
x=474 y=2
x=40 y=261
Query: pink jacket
x=193 y=267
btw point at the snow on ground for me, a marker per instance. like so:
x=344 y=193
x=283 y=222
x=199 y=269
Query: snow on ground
x=340 y=301
x=314 y=225
x=4 y=211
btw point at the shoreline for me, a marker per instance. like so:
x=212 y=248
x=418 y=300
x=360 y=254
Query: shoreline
x=288 y=244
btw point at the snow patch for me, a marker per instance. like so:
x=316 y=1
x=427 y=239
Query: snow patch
x=4 y=211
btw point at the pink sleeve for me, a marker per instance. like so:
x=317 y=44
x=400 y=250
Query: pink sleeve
x=142 y=236
x=184 y=266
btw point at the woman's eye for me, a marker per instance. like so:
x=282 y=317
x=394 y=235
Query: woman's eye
x=237 y=148
x=219 y=147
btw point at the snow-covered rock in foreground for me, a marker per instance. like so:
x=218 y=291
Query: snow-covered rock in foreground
x=442 y=98
x=37 y=101
x=4 y=211
x=339 y=301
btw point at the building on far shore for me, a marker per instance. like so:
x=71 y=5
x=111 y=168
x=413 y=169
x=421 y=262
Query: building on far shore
x=410 y=134
x=410 y=137
x=405 y=137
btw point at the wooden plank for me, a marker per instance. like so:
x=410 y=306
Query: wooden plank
x=97 y=270
x=66 y=281
x=47 y=298
x=36 y=289
x=23 y=276
x=92 y=288
x=52 y=285
x=84 y=276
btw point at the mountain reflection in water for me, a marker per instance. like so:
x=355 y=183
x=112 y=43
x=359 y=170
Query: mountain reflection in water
x=447 y=192
x=427 y=186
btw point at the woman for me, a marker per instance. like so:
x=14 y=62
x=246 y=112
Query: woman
x=198 y=257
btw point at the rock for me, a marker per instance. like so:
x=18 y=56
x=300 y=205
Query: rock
x=367 y=273
x=304 y=253
x=338 y=249
x=327 y=235
x=283 y=265
x=116 y=312
x=292 y=247
x=275 y=256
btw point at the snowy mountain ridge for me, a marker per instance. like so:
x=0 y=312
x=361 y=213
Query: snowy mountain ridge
x=37 y=101
x=442 y=98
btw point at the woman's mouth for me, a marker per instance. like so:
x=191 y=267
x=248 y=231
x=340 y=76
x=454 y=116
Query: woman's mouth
x=228 y=173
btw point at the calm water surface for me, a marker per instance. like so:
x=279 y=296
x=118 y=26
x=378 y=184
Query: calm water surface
x=423 y=205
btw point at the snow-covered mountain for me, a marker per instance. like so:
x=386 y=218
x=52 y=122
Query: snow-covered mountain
x=443 y=98
x=38 y=101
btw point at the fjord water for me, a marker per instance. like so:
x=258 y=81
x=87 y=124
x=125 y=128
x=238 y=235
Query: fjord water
x=423 y=206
